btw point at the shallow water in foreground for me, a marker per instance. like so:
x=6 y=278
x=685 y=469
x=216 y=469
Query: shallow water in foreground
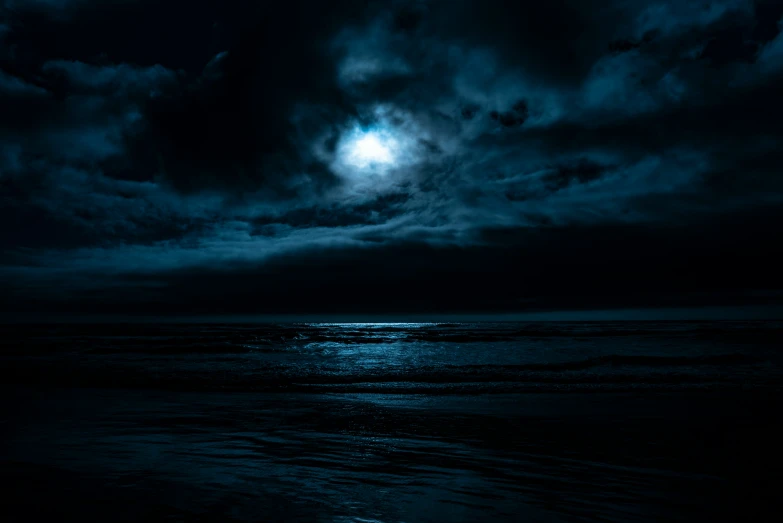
x=460 y=422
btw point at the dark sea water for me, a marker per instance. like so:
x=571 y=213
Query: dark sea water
x=551 y=421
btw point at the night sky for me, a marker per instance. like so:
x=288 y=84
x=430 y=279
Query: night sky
x=302 y=157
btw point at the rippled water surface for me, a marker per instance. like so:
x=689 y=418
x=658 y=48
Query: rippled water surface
x=392 y=422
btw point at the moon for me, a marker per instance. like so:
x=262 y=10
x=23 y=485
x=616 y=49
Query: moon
x=370 y=149
x=373 y=156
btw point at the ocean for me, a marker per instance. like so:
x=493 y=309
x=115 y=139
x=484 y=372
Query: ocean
x=407 y=422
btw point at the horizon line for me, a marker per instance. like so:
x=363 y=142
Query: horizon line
x=707 y=313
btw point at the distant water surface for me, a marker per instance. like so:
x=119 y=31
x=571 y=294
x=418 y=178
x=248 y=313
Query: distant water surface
x=626 y=421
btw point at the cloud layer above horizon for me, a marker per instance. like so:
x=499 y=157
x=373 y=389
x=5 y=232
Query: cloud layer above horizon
x=166 y=156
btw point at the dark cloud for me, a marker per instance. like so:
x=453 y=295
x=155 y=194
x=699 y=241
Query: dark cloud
x=379 y=210
x=512 y=118
x=553 y=41
x=230 y=128
x=202 y=155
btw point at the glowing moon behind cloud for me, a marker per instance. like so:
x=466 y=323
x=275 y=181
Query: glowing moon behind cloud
x=375 y=156
x=368 y=149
